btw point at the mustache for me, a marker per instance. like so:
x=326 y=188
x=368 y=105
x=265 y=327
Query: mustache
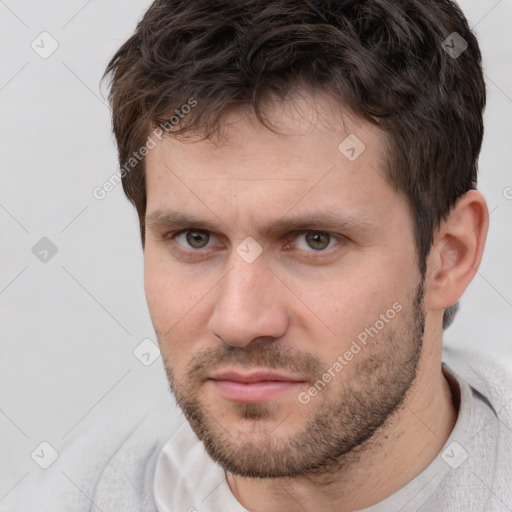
x=265 y=355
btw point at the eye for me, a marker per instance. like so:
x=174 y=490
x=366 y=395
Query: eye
x=315 y=241
x=192 y=243
x=192 y=238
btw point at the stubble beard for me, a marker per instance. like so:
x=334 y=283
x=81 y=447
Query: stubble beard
x=344 y=422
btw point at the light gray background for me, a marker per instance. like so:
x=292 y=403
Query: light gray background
x=69 y=326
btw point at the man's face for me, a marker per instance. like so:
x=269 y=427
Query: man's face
x=286 y=345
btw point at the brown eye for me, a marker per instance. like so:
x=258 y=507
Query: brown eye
x=318 y=240
x=195 y=239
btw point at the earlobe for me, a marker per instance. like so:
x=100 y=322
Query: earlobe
x=457 y=251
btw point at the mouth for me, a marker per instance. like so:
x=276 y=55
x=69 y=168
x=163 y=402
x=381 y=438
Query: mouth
x=254 y=387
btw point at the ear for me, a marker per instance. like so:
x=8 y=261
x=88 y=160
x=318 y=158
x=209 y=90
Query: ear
x=457 y=251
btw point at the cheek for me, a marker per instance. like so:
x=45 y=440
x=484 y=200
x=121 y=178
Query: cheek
x=160 y=293
x=173 y=306
x=178 y=312
x=166 y=294
x=346 y=305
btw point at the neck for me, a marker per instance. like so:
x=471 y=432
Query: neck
x=399 y=451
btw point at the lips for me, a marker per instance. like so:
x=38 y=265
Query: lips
x=254 y=377
x=253 y=387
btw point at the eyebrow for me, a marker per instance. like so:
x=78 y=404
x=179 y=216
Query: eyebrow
x=326 y=220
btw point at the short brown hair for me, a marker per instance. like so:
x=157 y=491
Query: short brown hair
x=388 y=61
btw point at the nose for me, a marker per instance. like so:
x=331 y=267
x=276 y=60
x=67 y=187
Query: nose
x=250 y=303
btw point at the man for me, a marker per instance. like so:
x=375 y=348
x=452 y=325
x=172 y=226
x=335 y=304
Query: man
x=305 y=179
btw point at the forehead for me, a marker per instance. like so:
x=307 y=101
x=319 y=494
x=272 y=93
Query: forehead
x=322 y=155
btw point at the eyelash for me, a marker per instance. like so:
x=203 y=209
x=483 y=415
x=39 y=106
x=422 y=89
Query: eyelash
x=191 y=253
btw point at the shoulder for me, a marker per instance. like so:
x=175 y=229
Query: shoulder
x=109 y=461
x=486 y=474
x=485 y=374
